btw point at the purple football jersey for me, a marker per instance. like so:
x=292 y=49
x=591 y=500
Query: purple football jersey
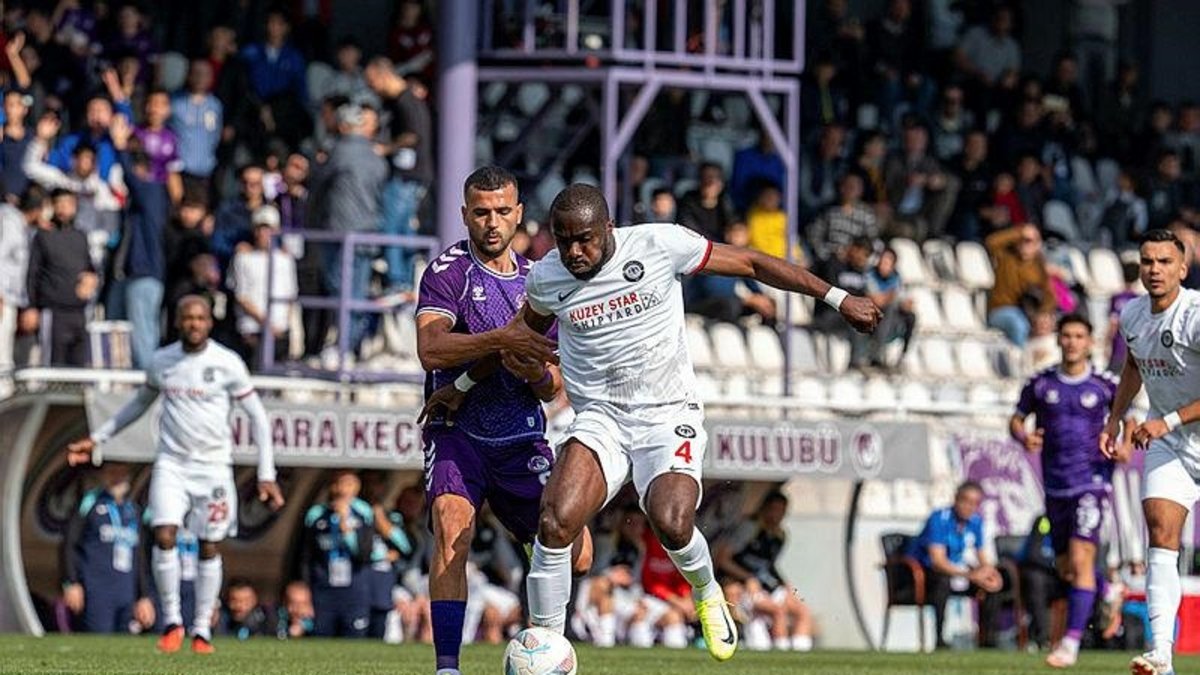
x=162 y=151
x=1072 y=413
x=501 y=409
x=1119 y=348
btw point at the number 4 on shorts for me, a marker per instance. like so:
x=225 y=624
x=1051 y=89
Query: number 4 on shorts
x=684 y=451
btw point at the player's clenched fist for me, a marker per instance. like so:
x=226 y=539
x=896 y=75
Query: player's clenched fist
x=80 y=451
x=861 y=313
x=521 y=340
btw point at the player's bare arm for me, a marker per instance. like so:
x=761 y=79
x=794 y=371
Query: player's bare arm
x=734 y=261
x=1031 y=442
x=1131 y=384
x=438 y=348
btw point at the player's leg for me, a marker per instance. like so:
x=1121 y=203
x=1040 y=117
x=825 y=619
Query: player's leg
x=578 y=487
x=1075 y=529
x=169 y=505
x=798 y=616
x=1168 y=492
x=455 y=481
x=213 y=519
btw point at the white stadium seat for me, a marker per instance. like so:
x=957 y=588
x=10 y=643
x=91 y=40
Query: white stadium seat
x=1107 y=277
x=699 y=347
x=913 y=393
x=1058 y=218
x=845 y=392
x=974 y=266
x=737 y=385
x=809 y=390
x=766 y=352
x=927 y=309
x=804 y=352
x=729 y=346
x=707 y=387
x=879 y=392
x=959 y=309
x=910 y=263
x=837 y=354
x=951 y=392
x=939 y=257
x=937 y=357
x=1079 y=267
x=911 y=364
x=983 y=394
x=974 y=360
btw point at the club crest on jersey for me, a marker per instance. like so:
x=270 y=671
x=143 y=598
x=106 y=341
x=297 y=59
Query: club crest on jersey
x=1167 y=339
x=633 y=270
x=1089 y=399
x=1052 y=396
x=218 y=492
x=538 y=464
x=477 y=294
x=685 y=431
x=210 y=374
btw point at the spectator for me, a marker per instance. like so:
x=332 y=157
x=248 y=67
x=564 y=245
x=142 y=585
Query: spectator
x=608 y=596
x=1126 y=216
x=16 y=138
x=1167 y=194
x=1006 y=207
x=820 y=169
x=843 y=222
x=204 y=280
x=662 y=206
x=409 y=149
x=410 y=45
x=232 y=224
x=334 y=557
x=276 y=72
x=952 y=549
x=95 y=133
x=345 y=192
x=897 y=44
x=886 y=290
x=869 y=167
x=185 y=237
x=752 y=167
x=766 y=223
x=707 y=209
x=242 y=616
x=1118 y=349
x=848 y=270
x=104 y=581
x=295 y=617
x=1120 y=113
x=1022 y=287
x=144 y=267
x=250 y=274
x=1042 y=350
x=62 y=281
x=921 y=191
x=951 y=124
x=133 y=38
x=973 y=211
x=666 y=606
x=100 y=199
x=1040 y=582
x=348 y=75
x=389 y=543
x=16 y=228
x=751 y=555
x=1186 y=138
x=990 y=58
x=197 y=118
x=822 y=101
x=728 y=298
x=1032 y=190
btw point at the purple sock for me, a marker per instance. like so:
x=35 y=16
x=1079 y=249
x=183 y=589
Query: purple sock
x=448 y=616
x=1079 y=611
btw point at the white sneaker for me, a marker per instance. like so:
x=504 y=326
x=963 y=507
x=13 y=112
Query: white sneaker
x=1151 y=663
x=1062 y=658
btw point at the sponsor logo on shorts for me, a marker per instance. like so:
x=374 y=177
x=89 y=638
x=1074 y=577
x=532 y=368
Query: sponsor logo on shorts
x=1167 y=338
x=633 y=270
x=538 y=464
x=685 y=431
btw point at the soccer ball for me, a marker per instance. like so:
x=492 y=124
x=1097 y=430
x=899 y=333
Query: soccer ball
x=537 y=651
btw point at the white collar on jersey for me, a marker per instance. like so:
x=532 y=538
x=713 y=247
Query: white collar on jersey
x=1067 y=379
x=500 y=275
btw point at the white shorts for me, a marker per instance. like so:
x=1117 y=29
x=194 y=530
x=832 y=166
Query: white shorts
x=201 y=496
x=628 y=446
x=1166 y=477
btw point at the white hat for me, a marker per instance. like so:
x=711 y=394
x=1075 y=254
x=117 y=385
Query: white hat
x=266 y=215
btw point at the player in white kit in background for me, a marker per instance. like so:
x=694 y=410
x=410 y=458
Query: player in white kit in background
x=1162 y=330
x=192 y=483
x=617 y=296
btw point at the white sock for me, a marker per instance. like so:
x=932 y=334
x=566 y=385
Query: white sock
x=802 y=643
x=549 y=585
x=208 y=587
x=1070 y=645
x=641 y=635
x=606 y=631
x=675 y=636
x=1163 y=594
x=757 y=636
x=393 y=633
x=783 y=643
x=695 y=564
x=166 y=581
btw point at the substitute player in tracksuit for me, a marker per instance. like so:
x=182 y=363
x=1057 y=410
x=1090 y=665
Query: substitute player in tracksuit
x=389 y=543
x=335 y=559
x=104 y=580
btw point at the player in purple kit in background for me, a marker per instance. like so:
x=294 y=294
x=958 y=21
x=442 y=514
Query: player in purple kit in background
x=1071 y=403
x=160 y=144
x=495 y=448
x=1116 y=357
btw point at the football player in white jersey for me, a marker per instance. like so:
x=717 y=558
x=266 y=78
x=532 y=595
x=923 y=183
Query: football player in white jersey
x=1162 y=330
x=199 y=380
x=617 y=296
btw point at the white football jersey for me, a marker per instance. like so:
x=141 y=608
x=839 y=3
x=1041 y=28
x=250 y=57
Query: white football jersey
x=198 y=391
x=1166 y=347
x=621 y=334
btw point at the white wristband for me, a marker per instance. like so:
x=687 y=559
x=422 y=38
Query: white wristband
x=464 y=383
x=1172 y=420
x=834 y=297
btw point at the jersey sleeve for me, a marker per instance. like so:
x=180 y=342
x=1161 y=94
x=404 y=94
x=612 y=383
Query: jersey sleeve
x=687 y=250
x=534 y=295
x=1191 y=325
x=1026 y=401
x=239 y=385
x=941 y=531
x=440 y=291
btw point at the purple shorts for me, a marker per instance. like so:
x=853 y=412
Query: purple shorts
x=1078 y=517
x=509 y=477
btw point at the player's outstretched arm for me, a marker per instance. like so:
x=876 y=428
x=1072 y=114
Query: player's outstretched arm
x=735 y=261
x=438 y=348
x=1130 y=385
x=84 y=449
x=268 y=489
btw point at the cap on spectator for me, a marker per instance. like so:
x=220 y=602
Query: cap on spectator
x=350 y=114
x=266 y=216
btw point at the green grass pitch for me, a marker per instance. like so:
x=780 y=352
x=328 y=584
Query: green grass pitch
x=264 y=656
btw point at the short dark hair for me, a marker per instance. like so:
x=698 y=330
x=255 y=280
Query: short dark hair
x=1161 y=235
x=773 y=497
x=82 y=147
x=581 y=199
x=488 y=178
x=968 y=485
x=1075 y=318
x=62 y=192
x=239 y=582
x=34 y=198
x=1130 y=271
x=658 y=192
x=705 y=166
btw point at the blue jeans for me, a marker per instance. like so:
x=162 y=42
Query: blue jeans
x=1012 y=322
x=401 y=200
x=360 y=279
x=143 y=304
